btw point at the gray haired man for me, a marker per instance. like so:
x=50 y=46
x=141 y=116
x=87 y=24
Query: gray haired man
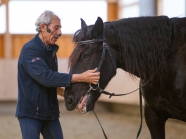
x=39 y=81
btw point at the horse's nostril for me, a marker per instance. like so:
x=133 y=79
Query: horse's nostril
x=69 y=100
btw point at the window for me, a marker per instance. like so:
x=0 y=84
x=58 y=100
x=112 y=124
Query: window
x=173 y=8
x=22 y=18
x=2 y=19
x=129 y=8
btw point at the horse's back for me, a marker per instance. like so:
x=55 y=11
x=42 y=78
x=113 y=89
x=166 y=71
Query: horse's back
x=179 y=29
x=179 y=21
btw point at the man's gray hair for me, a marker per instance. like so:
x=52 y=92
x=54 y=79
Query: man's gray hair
x=45 y=18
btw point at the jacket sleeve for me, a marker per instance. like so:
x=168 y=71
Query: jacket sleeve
x=35 y=65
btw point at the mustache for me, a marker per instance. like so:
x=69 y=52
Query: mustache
x=57 y=35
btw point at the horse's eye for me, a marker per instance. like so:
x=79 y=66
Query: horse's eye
x=85 y=55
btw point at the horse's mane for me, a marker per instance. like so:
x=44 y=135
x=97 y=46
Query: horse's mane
x=144 y=43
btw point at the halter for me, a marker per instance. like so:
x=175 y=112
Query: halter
x=106 y=47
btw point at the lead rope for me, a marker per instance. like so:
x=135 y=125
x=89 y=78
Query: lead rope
x=100 y=125
x=141 y=114
x=113 y=94
x=141 y=117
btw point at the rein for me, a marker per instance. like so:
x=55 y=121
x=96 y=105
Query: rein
x=105 y=47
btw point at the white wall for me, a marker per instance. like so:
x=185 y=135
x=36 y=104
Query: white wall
x=121 y=83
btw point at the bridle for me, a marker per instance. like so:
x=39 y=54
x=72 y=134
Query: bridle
x=106 y=48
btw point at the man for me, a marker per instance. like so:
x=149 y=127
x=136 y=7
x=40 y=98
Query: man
x=38 y=79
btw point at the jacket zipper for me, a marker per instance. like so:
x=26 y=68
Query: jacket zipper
x=38 y=101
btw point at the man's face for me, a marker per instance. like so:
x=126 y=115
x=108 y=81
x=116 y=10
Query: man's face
x=55 y=28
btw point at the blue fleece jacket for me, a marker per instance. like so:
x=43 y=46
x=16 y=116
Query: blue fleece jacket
x=37 y=81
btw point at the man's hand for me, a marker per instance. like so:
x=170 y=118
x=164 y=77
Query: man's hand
x=89 y=76
x=60 y=91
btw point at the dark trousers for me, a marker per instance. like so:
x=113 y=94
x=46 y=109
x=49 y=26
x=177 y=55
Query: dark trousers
x=31 y=128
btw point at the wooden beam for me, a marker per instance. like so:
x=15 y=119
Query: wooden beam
x=2 y=2
x=7 y=35
x=112 y=11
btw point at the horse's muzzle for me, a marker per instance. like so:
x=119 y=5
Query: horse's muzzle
x=69 y=100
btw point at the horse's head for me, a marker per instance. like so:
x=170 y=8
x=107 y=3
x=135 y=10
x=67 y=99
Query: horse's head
x=87 y=55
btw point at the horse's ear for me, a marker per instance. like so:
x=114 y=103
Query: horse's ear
x=98 y=28
x=83 y=24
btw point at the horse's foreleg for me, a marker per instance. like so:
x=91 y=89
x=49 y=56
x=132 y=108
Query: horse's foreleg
x=155 y=122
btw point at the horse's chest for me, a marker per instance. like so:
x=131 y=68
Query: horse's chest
x=173 y=105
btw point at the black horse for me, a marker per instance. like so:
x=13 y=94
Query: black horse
x=151 y=48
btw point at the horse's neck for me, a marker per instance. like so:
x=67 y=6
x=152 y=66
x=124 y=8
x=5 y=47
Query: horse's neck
x=120 y=60
x=122 y=66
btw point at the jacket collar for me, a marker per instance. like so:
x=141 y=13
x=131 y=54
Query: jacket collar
x=54 y=48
